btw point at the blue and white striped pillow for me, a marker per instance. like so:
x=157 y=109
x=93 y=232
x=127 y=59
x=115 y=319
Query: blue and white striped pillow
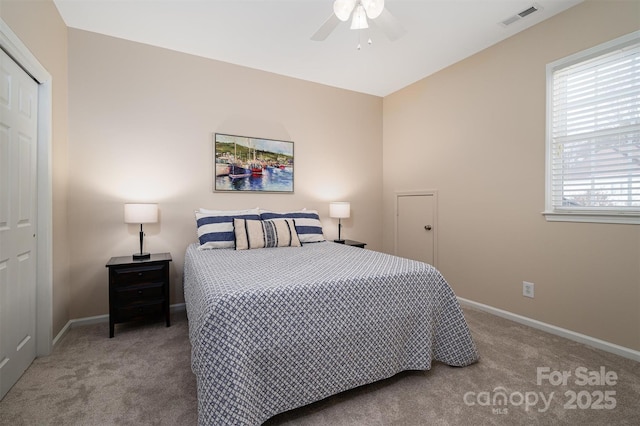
x=215 y=228
x=308 y=225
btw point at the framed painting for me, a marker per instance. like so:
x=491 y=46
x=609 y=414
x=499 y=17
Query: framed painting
x=243 y=163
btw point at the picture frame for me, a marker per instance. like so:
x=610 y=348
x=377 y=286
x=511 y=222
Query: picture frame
x=248 y=164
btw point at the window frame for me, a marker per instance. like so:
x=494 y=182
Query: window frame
x=580 y=214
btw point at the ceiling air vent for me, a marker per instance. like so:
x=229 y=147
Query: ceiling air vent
x=510 y=20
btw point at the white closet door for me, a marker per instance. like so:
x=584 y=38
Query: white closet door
x=18 y=157
x=415 y=227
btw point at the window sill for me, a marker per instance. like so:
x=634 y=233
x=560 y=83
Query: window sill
x=589 y=217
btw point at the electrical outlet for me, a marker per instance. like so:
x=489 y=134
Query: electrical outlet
x=527 y=289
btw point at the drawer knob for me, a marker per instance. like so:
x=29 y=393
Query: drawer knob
x=139 y=291
x=139 y=274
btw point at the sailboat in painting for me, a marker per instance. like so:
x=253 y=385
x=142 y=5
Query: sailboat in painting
x=236 y=171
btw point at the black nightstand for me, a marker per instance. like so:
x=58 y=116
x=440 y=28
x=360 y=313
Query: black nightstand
x=351 y=243
x=138 y=289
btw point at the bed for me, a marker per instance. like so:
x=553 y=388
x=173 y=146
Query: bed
x=278 y=328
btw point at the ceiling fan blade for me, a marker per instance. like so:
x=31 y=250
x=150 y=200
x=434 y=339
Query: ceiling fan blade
x=326 y=28
x=390 y=25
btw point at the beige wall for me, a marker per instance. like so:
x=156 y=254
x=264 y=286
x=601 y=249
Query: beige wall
x=140 y=129
x=141 y=124
x=476 y=133
x=40 y=27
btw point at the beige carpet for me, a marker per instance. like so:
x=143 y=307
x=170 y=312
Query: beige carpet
x=143 y=377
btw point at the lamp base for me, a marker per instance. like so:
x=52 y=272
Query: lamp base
x=339 y=241
x=141 y=256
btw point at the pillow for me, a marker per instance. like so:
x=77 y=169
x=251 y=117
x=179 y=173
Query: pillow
x=308 y=225
x=215 y=228
x=254 y=234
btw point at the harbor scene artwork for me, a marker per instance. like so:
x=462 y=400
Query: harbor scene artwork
x=244 y=163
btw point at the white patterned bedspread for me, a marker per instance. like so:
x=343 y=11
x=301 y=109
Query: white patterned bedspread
x=275 y=329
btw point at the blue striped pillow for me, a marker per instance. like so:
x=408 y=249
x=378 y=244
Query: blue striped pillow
x=215 y=228
x=308 y=225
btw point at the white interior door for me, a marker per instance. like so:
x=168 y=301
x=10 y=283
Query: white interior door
x=416 y=227
x=18 y=221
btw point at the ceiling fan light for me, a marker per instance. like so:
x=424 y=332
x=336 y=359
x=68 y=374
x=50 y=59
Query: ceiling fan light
x=343 y=9
x=359 y=19
x=373 y=7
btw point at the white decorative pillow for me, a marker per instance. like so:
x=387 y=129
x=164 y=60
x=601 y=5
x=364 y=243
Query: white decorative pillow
x=308 y=225
x=215 y=228
x=254 y=234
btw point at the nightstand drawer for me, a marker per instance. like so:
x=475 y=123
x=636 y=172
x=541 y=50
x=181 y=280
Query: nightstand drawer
x=139 y=293
x=138 y=311
x=139 y=274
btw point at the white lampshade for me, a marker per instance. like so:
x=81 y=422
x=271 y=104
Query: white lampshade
x=339 y=209
x=140 y=213
x=373 y=7
x=359 y=19
x=343 y=9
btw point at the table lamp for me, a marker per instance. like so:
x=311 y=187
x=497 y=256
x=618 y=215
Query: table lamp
x=339 y=210
x=141 y=213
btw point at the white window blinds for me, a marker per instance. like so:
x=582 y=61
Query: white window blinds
x=593 y=158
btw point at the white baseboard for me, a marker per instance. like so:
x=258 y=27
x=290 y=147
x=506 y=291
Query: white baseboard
x=178 y=307
x=558 y=331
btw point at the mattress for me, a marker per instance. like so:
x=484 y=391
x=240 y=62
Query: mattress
x=278 y=328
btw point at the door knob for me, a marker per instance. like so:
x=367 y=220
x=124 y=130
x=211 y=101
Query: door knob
x=427 y=227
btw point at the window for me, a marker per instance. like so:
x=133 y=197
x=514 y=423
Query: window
x=593 y=134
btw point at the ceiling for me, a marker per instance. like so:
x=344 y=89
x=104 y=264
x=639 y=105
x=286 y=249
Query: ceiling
x=274 y=35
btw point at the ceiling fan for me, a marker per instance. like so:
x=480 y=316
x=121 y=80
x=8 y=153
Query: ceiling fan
x=359 y=11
